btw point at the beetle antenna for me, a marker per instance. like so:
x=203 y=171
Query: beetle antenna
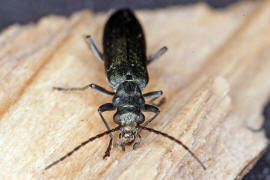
x=81 y=145
x=177 y=141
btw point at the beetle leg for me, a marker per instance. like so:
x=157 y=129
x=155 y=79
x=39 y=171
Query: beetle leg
x=150 y=108
x=71 y=89
x=101 y=89
x=101 y=109
x=155 y=56
x=93 y=86
x=154 y=95
x=159 y=103
x=92 y=43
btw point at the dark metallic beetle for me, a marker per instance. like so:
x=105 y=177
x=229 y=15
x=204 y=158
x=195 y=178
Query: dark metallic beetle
x=125 y=65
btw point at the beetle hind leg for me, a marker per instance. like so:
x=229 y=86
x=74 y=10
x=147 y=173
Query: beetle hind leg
x=155 y=56
x=92 y=43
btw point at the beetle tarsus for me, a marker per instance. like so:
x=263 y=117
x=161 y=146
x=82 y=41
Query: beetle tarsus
x=108 y=150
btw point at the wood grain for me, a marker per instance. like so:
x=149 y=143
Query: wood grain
x=214 y=78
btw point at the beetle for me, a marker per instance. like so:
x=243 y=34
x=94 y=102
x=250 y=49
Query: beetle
x=126 y=64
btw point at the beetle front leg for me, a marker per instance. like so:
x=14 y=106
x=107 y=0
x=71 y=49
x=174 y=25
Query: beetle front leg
x=101 y=109
x=150 y=108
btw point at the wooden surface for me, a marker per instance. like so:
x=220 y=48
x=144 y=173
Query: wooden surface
x=215 y=78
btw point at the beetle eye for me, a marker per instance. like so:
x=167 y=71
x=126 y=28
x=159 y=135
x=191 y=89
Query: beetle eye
x=141 y=118
x=116 y=118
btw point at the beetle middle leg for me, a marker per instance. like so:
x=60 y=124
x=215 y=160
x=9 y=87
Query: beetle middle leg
x=93 y=86
x=153 y=95
x=101 y=109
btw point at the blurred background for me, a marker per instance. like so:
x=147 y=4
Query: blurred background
x=18 y=11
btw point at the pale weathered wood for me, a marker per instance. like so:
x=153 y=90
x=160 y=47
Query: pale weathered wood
x=214 y=78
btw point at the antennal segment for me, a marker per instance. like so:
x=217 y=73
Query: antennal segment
x=81 y=145
x=177 y=141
